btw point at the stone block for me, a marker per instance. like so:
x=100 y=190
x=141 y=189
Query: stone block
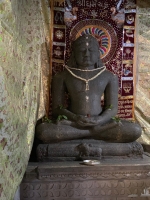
x=110 y=180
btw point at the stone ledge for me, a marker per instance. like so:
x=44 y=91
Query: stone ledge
x=110 y=180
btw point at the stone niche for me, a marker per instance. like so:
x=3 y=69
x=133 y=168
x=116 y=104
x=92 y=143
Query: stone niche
x=112 y=179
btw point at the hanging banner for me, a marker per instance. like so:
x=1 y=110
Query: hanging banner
x=112 y=24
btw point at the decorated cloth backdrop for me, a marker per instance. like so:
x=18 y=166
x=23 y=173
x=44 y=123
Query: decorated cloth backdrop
x=23 y=35
x=116 y=44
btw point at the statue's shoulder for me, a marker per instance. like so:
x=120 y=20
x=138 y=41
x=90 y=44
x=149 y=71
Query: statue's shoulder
x=60 y=76
x=110 y=74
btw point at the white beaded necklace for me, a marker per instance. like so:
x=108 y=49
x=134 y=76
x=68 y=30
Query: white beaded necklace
x=83 y=79
x=84 y=70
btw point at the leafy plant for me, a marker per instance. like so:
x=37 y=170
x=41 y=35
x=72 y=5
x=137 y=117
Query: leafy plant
x=116 y=118
x=61 y=107
x=46 y=119
x=109 y=107
x=60 y=117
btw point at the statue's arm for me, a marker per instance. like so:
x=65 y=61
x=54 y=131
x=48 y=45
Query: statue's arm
x=58 y=97
x=110 y=100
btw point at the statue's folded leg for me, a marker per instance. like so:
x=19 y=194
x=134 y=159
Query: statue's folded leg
x=124 y=131
x=49 y=132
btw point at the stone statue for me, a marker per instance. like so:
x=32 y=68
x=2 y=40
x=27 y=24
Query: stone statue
x=86 y=79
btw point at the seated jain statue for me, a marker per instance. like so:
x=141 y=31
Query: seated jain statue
x=86 y=79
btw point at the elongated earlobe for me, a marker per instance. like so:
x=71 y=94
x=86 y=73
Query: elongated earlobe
x=99 y=63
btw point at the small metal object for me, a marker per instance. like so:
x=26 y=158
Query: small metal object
x=91 y=162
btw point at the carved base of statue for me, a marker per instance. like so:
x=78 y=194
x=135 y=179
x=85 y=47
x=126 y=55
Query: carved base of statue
x=77 y=150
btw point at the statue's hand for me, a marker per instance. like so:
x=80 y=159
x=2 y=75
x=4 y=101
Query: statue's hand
x=88 y=121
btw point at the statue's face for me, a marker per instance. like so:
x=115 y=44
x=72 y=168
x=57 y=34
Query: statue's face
x=86 y=54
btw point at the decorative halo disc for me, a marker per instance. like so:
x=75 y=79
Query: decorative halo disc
x=102 y=31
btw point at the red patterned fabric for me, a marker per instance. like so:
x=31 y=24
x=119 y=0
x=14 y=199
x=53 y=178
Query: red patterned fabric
x=116 y=44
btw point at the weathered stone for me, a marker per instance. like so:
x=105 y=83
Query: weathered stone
x=88 y=149
x=110 y=180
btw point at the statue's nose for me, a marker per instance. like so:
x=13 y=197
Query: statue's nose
x=87 y=52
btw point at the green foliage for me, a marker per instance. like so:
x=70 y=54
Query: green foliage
x=109 y=107
x=46 y=119
x=60 y=117
x=116 y=118
x=61 y=107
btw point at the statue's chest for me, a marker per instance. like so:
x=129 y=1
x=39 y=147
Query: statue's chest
x=77 y=85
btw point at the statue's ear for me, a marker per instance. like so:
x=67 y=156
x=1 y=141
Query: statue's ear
x=99 y=62
x=72 y=61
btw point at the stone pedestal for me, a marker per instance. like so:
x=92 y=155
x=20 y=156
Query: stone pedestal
x=110 y=180
x=88 y=149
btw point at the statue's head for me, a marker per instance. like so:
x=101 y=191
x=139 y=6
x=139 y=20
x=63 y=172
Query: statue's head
x=85 y=53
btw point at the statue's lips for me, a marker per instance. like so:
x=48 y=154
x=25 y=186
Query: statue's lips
x=86 y=60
